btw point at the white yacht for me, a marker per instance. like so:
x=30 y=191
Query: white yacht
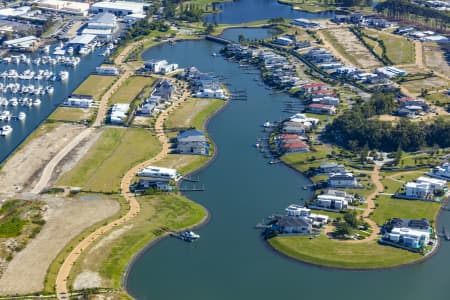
x=37 y=102
x=6 y=130
x=13 y=102
x=21 y=116
x=64 y=75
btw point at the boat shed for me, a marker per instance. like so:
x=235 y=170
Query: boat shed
x=82 y=40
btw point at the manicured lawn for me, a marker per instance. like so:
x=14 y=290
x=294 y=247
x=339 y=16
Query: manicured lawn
x=116 y=151
x=95 y=86
x=303 y=161
x=70 y=114
x=159 y=214
x=184 y=163
x=398 y=49
x=441 y=99
x=399 y=208
x=310 y=5
x=326 y=252
x=129 y=90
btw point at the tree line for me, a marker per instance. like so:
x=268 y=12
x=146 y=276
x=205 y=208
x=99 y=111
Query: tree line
x=356 y=128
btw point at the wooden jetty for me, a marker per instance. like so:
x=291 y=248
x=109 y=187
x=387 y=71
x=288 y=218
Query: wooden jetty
x=190 y=179
x=192 y=189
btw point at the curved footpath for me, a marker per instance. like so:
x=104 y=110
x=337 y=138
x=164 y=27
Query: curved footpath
x=64 y=271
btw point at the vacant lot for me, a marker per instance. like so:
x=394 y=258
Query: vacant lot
x=116 y=151
x=65 y=219
x=346 y=43
x=437 y=57
x=19 y=173
x=129 y=90
x=95 y=85
x=105 y=261
x=399 y=208
x=332 y=253
x=430 y=84
x=398 y=49
x=71 y=114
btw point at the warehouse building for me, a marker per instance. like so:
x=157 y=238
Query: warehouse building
x=102 y=25
x=66 y=7
x=118 y=8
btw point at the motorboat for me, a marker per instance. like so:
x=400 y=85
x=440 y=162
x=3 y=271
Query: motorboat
x=36 y=102
x=6 y=130
x=189 y=236
x=21 y=116
x=64 y=75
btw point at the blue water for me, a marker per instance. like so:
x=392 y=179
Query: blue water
x=37 y=114
x=243 y=11
x=231 y=261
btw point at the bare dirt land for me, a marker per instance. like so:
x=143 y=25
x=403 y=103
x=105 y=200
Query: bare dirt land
x=21 y=170
x=65 y=219
x=353 y=48
x=437 y=57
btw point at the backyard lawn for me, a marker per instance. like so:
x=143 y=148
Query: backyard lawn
x=400 y=208
x=331 y=253
x=116 y=151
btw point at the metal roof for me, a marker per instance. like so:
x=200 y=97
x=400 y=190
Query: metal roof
x=83 y=39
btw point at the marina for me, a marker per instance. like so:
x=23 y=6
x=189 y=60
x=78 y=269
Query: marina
x=33 y=85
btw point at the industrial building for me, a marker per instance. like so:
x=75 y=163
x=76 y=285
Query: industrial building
x=102 y=25
x=27 y=43
x=82 y=41
x=6 y=13
x=118 y=8
x=66 y=7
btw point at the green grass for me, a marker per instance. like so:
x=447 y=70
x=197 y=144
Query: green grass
x=331 y=253
x=130 y=89
x=159 y=214
x=11 y=227
x=398 y=49
x=440 y=99
x=399 y=208
x=95 y=86
x=303 y=161
x=69 y=114
x=310 y=5
x=116 y=151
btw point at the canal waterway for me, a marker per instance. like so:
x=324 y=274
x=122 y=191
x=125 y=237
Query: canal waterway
x=231 y=261
x=35 y=115
x=255 y=10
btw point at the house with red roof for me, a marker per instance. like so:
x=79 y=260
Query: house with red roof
x=323 y=109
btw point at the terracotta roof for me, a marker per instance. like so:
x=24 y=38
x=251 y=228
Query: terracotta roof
x=296 y=145
x=319 y=105
x=312 y=85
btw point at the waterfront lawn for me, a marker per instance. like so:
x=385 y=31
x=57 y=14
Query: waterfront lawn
x=116 y=151
x=95 y=86
x=303 y=161
x=388 y=208
x=160 y=214
x=193 y=113
x=70 y=114
x=398 y=49
x=130 y=89
x=311 y=5
x=184 y=163
x=327 y=252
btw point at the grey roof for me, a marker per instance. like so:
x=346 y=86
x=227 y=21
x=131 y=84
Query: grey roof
x=191 y=136
x=289 y=221
x=105 y=18
x=83 y=39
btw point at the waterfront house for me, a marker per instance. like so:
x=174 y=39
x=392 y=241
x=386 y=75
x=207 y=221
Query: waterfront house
x=159 y=172
x=343 y=180
x=118 y=113
x=293 y=128
x=324 y=109
x=413 y=234
x=421 y=191
x=347 y=196
x=160 y=66
x=334 y=101
x=331 y=202
x=310 y=87
x=441 y=172
x=159 y=184
x=289 y=224
x=291 y=147
x=165 y=90
x=435 y=184
x=303 y=119
x=283 y=41
x=79 y=101
x=192 y=142
x=295 y=210
x=330 y=167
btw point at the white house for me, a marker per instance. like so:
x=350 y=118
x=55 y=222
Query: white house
x=331 y=202
x=330 y=167
x=106 y=70
x=305 y=23
x=344 y=180
x=217 y=93
x=415 y=190
x=159 y=172
x=435 y=184
x=80 y=101
x=160 y=66
x=295 y=210
x=119 y=112
x=284 y=41
x=441 y=172
x=288 y=224
x=192 y=142
x=410 y=237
